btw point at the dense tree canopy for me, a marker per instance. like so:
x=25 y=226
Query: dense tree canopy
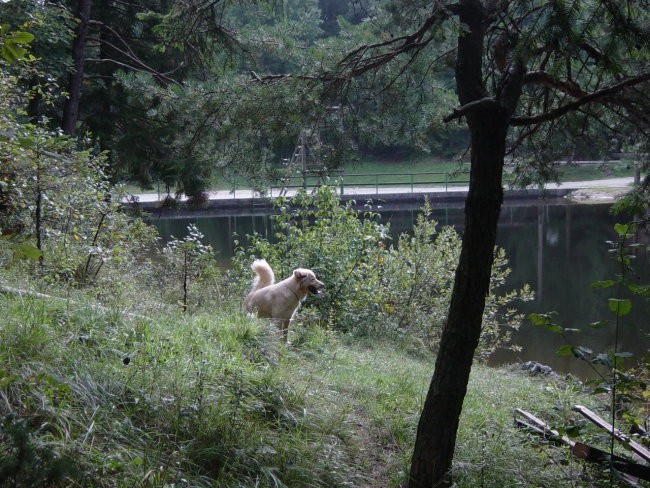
x=173 y=90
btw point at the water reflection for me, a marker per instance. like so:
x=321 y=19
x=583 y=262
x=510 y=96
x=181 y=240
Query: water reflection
x=562 y=255
x=558 y=248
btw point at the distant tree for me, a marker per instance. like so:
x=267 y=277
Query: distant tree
x=524 y=71
x=71 y=107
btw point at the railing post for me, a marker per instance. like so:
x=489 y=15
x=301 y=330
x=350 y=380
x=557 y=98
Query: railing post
x=376 y=184
x=411 y=182
x=446 y=181
x=304 y=179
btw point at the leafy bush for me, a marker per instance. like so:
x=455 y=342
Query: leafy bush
x=57 y=206
x=373 y=288
x=341 y=245
x=418 y=278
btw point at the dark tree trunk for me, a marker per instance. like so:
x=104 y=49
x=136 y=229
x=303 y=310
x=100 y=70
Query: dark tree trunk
x=75 y=81
x=488 y=121
x=436 y=435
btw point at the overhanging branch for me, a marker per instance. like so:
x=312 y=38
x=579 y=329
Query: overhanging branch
x=356 y=63
x=545 y=79
x=594 y=97
x=468 y=107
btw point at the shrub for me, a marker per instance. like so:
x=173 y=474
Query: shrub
x=57 y=206
x=341 y=245
x=418 y=279
x=187 y=264
x=373 y=288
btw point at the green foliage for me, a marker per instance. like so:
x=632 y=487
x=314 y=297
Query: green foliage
x=418 y=278
x=373 y=288
x=340 y=244
x=585 y=46
x=23 y=462
x=189 y=262
x=12 y=44
x=624 y=384
x=59 y=214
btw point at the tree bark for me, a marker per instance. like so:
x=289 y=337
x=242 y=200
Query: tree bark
x=75 y=81
x=488 y=121
x=436 y=434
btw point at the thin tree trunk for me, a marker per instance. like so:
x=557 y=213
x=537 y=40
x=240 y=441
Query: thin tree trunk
x=71 y=108
x=436 y=434
x=38 y=214
x=488 y=121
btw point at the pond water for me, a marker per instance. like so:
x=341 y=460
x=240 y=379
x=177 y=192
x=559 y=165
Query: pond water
x=558 y=248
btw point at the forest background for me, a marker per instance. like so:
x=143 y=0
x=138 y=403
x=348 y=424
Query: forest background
x=174 y=92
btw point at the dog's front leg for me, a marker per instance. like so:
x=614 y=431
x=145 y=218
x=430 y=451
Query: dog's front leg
x=283 y=325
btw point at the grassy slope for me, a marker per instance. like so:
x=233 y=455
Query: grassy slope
x=215 y=400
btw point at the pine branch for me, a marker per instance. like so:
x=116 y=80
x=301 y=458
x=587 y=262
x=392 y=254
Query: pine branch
x=597 y=96
x=356 y=63
x=129 y=54
x=543 y=78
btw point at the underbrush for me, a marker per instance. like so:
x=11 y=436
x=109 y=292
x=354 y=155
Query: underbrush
x=95 y=397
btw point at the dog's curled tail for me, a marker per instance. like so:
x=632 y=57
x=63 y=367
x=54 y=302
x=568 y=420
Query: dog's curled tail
x=265 y=276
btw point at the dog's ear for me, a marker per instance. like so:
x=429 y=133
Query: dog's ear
x=299 y=273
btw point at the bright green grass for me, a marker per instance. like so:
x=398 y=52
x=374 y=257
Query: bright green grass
x=614 y=169
x=378 y=390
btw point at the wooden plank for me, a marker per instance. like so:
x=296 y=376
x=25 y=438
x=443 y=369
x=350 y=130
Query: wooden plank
x=625 y=466
x=547 y=431
x=628 y=470
x=617 y=434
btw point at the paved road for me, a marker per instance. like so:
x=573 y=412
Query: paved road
x=603 y=189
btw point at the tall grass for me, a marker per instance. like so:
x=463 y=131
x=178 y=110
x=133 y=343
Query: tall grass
x=215 y=399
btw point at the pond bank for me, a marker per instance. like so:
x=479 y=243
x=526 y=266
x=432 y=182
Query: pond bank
x=246 y=202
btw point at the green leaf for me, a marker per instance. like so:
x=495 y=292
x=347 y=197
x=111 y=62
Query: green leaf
x=619 y=306
x=565 y=350
x=621 y=229
x=25 y=251
x=544 y=320
x=581 y=352
x=20 y=37
x=599 y=324
x=601 y=390
x=642 y=290
x=538 y=319
x=603 y=284
x=604 y=359
x=624 y=355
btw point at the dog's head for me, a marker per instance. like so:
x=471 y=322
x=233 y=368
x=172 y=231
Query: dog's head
x=308 y=281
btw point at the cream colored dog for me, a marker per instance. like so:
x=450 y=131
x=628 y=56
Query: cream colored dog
x=280 y=301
